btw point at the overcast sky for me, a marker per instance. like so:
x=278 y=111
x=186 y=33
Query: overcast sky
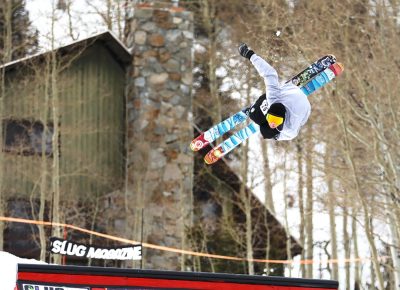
x=85 y=21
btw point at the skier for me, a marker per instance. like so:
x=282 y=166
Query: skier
x=283 y=109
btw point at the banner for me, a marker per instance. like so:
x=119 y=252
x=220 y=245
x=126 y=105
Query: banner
x=56 y=277
x=70 y=248
x=47 y=287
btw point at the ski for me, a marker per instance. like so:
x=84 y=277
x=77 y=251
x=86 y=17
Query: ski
x=311 y=71
x=231 y=122
x=232 y=142
x=236 y=139
x=218 y=130
x=322 y=79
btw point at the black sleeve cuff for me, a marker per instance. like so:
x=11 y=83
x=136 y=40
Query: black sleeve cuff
x=249 y=54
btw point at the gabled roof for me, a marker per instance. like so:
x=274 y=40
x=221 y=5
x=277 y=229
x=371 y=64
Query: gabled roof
x=222 y=171
x=118 y=50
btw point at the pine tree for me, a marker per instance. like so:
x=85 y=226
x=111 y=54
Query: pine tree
x=24 y=38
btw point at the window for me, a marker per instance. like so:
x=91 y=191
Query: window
x=25 y=137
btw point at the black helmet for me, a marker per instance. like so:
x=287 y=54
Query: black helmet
x=276 y=115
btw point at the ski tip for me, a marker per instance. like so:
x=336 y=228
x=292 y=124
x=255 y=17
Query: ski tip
x=198 y=143
x=207 y=161
x=194 y=147
x=213 y=156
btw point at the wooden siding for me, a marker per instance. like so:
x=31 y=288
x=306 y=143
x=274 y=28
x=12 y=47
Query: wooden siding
x=91 y=94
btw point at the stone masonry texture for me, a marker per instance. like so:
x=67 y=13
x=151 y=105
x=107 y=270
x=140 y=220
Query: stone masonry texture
x=159 y=95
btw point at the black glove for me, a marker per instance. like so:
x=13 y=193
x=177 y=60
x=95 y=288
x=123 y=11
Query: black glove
x=245 y=51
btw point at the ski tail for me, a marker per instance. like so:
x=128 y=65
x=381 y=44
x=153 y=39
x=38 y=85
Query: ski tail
x=314 y=69
x=322 y=78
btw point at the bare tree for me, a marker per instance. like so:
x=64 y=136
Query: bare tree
x=111 y=12
x=6 y=57
x=309 y=205
x=286 y=208
x=331 y=210
x=346 y=237
x=300 y=190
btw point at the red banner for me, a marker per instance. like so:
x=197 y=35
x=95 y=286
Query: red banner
x=51 y=277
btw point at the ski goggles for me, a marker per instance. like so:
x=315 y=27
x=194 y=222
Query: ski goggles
x=271 y=119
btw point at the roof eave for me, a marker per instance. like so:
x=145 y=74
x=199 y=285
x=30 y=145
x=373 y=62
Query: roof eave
x=116 y=47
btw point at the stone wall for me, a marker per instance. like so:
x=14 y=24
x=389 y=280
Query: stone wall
x=159 y=168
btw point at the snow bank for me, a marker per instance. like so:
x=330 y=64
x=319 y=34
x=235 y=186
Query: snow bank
x=8 y=269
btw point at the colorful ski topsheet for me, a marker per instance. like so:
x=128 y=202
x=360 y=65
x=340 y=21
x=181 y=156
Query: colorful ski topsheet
x=235 y=140
x=218 y=130
x=315 y=68
x=231 y=122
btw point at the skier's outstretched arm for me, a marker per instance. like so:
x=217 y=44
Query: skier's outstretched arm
x=265 y=70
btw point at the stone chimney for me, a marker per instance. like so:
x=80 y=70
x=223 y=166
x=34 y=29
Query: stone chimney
x=159 y=161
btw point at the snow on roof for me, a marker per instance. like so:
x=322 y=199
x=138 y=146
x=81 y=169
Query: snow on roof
x=108 y=37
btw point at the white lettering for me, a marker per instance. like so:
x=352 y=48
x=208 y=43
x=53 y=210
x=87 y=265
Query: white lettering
x=80 y=251
x=63 y=252
x=131 y=253
x=56 y=246
x=118 y=254
x=93 y=253
x=111 y=254
x=137 y=253
x=128 y=253
x=264 y=107
x=103 y=254
x=70 y=248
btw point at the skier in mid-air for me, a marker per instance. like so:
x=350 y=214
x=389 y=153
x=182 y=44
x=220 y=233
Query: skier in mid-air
x=283 y=109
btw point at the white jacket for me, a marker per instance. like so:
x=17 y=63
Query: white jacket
x=298 y=108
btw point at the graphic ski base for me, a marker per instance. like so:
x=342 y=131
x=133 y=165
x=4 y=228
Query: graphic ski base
x=323 y=78
x=315 y=68
x=231 y=122
x=218 y=130
x=235 y=140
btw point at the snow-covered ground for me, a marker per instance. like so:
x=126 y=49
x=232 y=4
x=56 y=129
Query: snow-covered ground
x=8 y=269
